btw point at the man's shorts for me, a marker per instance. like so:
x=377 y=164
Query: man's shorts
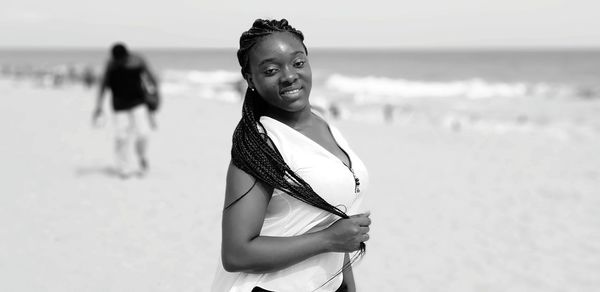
x=132 y=123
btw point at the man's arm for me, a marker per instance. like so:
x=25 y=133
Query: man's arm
x=149 y=72
x=100 y=98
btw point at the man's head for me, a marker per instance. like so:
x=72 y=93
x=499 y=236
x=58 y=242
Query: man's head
x=119 y=51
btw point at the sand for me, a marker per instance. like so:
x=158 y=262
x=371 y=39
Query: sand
x=461 y=210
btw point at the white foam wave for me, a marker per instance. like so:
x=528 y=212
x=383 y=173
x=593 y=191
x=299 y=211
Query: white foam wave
x=380 y=89
x=216 y=77
x=229 y=86
x=220 y=84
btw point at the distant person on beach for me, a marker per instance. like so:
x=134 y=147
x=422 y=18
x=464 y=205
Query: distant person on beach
x=124 y=75
x=334 y=110
x=388 y=113
x=291 y=217
x=88 y=78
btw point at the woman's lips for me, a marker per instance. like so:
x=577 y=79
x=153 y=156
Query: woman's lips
x=291 y=92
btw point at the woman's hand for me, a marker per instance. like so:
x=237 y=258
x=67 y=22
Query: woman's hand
x=345 y=235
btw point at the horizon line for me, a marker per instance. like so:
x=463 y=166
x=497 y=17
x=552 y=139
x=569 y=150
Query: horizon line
x=323 y=48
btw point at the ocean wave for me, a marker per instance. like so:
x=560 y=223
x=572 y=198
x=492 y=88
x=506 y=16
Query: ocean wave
x=219 y=84
x=217 y=77
x=396 y=101
x=360 y=90
x=373 y=90
x=388 y=90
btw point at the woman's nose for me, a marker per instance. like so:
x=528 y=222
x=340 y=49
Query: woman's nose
x=289 y=75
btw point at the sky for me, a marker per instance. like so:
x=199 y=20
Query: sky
x=325 y=23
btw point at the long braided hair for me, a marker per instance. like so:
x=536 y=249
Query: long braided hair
x=252 y=150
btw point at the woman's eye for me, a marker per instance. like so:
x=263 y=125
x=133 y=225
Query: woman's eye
x=299 y=64
x=270 y=71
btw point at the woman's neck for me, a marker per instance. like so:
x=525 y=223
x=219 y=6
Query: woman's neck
x=296 y=120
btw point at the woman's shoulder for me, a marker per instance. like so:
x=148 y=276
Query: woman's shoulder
x=240 y=183
x=270 y=127
x=272 y=131
x=280 y=137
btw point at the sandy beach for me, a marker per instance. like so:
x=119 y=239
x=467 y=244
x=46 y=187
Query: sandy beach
x=465 y=210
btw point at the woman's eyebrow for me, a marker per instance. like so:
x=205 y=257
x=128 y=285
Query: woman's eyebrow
x=268 y=60
x=299 y=52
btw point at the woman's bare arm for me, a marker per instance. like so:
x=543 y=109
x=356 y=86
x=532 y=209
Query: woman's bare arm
x=244 y=250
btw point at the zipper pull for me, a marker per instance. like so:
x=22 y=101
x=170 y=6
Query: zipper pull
x=356 y=182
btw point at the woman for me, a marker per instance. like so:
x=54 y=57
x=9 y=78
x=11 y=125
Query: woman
x=291 y=178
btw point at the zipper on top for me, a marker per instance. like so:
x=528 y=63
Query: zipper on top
x=356 y=179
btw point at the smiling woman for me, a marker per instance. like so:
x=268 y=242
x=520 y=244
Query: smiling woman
x=280 y=72
x=291 y=219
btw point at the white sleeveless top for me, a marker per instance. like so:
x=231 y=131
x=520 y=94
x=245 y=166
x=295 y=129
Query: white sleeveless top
x=287 y=216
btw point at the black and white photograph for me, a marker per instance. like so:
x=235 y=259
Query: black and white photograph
x=331 y=146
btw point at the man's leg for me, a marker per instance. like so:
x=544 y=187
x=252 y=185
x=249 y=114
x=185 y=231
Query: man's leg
x=123 y=132
x=141 y=145
x=142 y=130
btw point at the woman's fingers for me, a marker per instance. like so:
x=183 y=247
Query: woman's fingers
x=365 y=237
x=352 y=231
x=362 y=220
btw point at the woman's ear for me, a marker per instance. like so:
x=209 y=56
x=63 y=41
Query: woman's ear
x=248 y=78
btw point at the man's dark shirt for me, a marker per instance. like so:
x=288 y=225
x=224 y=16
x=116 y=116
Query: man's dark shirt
x=124 y=78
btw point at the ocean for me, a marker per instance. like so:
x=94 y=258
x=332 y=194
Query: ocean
x=493 y=90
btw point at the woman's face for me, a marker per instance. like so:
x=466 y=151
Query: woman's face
x=280 y=73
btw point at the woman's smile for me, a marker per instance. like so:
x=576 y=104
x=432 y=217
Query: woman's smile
x=291 y=93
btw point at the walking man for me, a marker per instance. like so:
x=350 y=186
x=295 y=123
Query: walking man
x=123 y=76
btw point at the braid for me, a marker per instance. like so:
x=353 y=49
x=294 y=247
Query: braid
x=251 y=151
x=254 y=152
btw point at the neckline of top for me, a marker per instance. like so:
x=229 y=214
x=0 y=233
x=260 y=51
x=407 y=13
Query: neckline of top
x=323 y=149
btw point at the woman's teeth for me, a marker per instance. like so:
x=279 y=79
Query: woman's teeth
x=289 y=92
